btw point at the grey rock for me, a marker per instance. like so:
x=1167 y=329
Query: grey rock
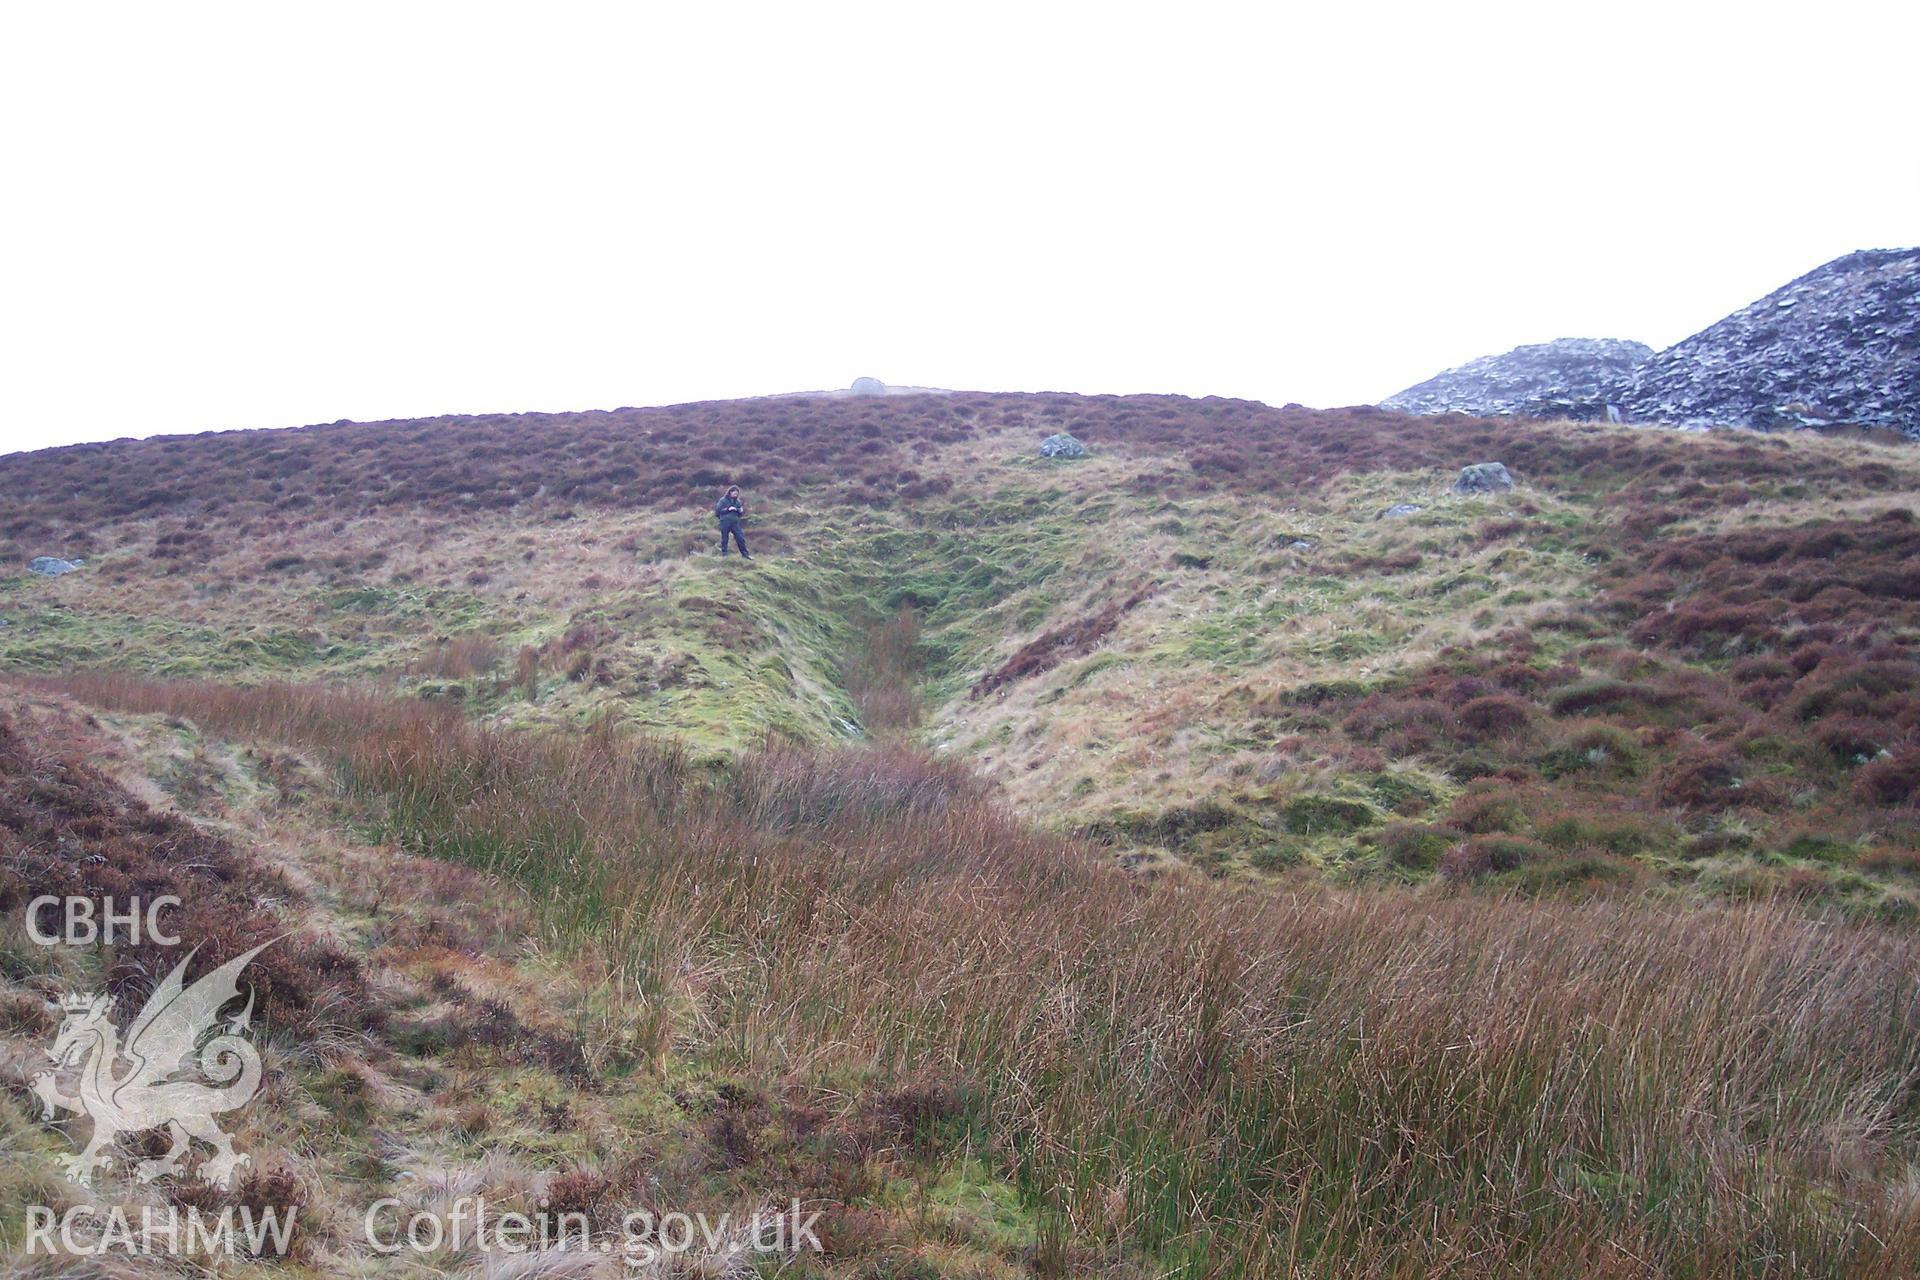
x=1839 y=345
x=53 y=566
x=1062 y=446
x=868 y=387
x=1565 y=378
x=1483 y=477
x=1301 y=544
x=1399 y=509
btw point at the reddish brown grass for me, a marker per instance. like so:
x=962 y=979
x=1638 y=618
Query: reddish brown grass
x=881 y=676
x=1281 y=1082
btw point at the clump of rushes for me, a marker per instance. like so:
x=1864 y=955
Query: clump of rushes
x=1236 y=1084
x=880 y=677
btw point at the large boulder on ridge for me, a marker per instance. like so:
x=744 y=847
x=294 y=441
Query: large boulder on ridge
x=1483 y=477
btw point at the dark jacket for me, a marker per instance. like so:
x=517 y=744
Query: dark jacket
x=729 y=508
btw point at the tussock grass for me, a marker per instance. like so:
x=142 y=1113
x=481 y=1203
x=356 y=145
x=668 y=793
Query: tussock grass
x=1237 y=1083
x=881 y=676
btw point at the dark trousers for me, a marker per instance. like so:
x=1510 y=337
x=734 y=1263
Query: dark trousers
x=732 y=527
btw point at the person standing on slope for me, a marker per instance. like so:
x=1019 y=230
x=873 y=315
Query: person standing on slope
x=730 y=511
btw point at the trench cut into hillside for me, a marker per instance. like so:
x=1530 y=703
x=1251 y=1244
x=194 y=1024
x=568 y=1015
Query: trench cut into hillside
x=879 y=872
x=1662 y=662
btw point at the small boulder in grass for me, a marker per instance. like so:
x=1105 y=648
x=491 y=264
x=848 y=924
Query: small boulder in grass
x=1484 y=477
x=54 y=566
x=1400 y=509
x=1062 y=445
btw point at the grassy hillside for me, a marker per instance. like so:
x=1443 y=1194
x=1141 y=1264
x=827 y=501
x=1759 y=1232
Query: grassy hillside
x=1677 y=661
x=1162 y=863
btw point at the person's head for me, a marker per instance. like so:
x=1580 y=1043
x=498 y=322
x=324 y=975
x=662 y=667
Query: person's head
x=733 y=491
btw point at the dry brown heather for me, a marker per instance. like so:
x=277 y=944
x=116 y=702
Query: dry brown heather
x=1175 y=1075
x=678 y=456
x=861 y=452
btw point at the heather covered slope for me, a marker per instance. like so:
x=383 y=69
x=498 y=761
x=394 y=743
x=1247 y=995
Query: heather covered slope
x=1566 y=839
x=1676 y=662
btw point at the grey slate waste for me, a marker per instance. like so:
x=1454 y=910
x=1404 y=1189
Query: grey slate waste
x=1566 y=378
x=1839 y=345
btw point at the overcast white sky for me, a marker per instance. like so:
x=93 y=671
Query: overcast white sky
x=264 y=215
